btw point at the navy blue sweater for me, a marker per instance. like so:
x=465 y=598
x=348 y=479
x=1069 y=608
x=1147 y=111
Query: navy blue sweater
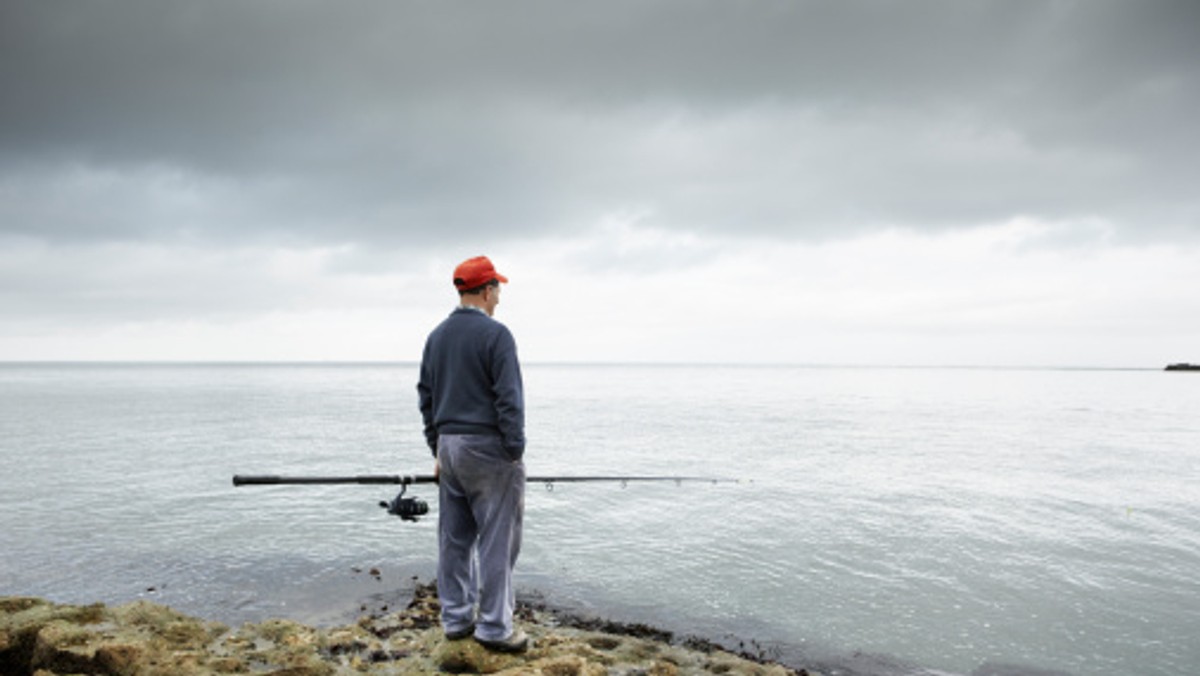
x=471 y=381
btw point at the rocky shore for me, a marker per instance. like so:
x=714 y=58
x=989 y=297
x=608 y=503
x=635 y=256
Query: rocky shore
x=40 y=638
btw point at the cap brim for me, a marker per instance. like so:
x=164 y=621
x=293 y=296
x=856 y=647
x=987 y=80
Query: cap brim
x=501 y=278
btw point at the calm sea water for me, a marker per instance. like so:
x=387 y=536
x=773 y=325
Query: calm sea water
x=891 y=521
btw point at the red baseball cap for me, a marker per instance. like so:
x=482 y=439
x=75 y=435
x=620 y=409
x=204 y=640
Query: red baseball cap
x=475 y=272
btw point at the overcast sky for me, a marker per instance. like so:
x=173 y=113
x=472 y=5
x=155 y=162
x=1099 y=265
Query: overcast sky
x=952 y=182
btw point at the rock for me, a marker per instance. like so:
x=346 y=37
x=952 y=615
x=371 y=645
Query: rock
x=570 y=666
x=62 y=647
x=123 y=659
x=46 y=639
x=17 y=604
x=468 y=657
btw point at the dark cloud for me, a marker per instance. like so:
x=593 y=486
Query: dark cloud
x=408 y=122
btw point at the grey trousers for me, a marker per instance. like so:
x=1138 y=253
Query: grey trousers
x=481 y=504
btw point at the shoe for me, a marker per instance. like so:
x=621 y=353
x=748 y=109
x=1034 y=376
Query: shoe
x=518 y=642
x=465 y=632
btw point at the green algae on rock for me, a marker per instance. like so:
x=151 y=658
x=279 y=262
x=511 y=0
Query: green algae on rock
x=40 y=638
x=37 y=636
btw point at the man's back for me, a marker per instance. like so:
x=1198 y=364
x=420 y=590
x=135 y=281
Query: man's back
x=471 y=381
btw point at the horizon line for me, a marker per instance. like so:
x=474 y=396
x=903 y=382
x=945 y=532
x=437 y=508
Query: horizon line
x=554 y=363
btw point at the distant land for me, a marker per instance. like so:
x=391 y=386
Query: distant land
x=1182 y=367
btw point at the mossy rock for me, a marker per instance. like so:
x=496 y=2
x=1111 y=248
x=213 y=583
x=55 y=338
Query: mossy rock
x=17 y=604
x=468 y=657
x=120 y=659
x=63 y=648
x=179 y=630
x=303 y=670
x=38 y=638
x=287 y=632
x=568 y=665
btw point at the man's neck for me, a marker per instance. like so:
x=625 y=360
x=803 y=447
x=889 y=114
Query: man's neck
x=471 y=306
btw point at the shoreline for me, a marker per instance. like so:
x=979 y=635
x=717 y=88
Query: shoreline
x=44 y=638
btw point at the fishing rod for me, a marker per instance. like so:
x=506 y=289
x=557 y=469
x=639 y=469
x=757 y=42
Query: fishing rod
x=408 y=509
x=409 y=479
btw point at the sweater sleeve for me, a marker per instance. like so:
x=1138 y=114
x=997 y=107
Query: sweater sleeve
x=425 y=401
x=509 y=393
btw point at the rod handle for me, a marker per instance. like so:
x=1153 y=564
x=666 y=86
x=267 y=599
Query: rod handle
x=275 y=480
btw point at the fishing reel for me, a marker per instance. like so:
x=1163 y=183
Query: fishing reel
x=408 y=509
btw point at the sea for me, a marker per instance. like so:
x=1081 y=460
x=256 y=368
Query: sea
x=879 y=521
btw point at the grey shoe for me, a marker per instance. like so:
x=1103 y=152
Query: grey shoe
x=518 y=642
x=466 y=632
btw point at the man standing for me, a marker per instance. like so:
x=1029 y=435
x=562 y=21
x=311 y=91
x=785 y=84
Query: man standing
x=472 y=403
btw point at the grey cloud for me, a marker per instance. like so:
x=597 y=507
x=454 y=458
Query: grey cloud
x=402 y=123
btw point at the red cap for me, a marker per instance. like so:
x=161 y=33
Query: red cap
x=475 y=272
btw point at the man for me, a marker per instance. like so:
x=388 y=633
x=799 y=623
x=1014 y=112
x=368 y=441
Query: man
x=472 y=402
